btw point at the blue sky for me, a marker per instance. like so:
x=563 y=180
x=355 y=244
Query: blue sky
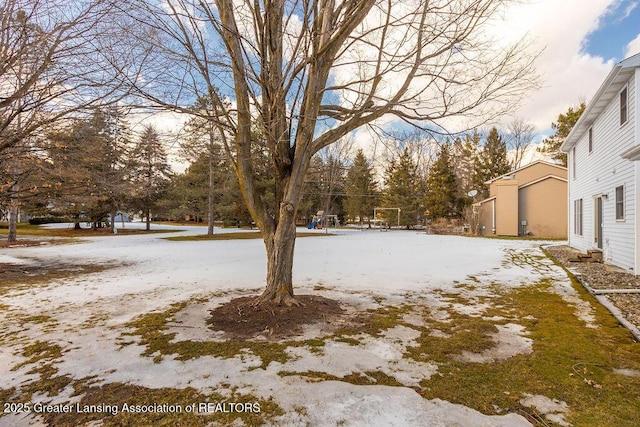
x=617 y=28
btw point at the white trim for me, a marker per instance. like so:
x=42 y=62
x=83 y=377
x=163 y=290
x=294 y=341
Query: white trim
x=625 y=89
x=624 y=205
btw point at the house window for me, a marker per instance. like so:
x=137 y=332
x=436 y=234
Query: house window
x=590 y=140
x=573 y=162
x=620 y=202
x=623 y=106
x=577 y=217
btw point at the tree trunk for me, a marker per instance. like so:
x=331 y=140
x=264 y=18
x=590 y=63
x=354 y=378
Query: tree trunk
x=210 y=216
x=148 y=214
x=13 y=215
x=113 y=222
x=13 y=223
x=280 y=248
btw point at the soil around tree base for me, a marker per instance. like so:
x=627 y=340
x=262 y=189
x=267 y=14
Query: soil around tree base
x=240 y=318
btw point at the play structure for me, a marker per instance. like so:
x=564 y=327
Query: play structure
x=320 y=221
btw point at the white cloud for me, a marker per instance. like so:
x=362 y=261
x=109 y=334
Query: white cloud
x=633 y=47
x=630 y=8
x=569 y=75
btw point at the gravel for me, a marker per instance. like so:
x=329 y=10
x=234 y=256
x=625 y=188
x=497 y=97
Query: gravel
x=600 y=276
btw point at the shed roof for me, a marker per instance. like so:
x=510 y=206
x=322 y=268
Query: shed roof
x=528 y=165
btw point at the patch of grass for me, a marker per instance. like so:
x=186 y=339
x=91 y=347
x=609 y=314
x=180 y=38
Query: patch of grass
x=248 y=235
x=38 y=319
x=560 y=342
x=49 y=383
x=347 y=340
x=385 y=318
x=36 y=230
x=124 y=404
x=151 y=328
x=20 y=277
x=357 y=378
x=39 y=350
x=458 y=334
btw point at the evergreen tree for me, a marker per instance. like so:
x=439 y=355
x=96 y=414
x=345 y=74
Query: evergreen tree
x=86 y=167
x=442 y=186
x=202 y=136
x=189 y=193
x=149 y=171
x=360 y=188
x=562 y=126
x=401 y=190
x=464 y=155
x=491 y=162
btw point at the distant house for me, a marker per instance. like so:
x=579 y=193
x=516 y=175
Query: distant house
x=529 y=201
x=604 y=170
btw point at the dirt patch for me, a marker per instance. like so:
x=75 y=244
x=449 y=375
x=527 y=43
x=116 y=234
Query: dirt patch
x=20 y=243
x=15 y=276
x=239 y=318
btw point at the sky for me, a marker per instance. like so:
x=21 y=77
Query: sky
x=582 y=41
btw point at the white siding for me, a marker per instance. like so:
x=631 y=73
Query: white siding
x=600 y=172
x=636 y=207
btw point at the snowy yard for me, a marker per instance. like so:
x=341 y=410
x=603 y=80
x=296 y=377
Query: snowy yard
x=74 y=345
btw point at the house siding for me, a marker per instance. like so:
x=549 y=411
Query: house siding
x=636 y=207
x=599 y=173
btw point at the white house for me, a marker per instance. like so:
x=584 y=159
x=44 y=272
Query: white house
x=604 y=170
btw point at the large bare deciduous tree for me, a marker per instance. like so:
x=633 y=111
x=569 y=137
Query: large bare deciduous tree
x=52 y=64
x=308 y=73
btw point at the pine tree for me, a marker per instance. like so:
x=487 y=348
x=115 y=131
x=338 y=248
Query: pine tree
x=442 y=187
x=491 y=162
x=86 y=167
x=562 y=126
x=402 y=190
x=149 y=171
x=464 y=154
x=360 y=188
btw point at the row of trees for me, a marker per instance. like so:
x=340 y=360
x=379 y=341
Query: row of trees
x=89 y=169
x=352 y=186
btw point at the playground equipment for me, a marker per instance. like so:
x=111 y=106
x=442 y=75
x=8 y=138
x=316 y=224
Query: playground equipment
x=320 y=221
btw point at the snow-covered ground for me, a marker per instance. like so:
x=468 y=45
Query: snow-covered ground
x=356 y=267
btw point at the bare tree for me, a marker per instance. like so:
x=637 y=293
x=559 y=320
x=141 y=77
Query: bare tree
x=51 y=65
x=519 y=137
x=311 y=72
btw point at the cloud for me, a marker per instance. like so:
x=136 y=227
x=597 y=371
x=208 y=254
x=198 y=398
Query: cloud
x=569 y=74
x=633 y=47
x=630 y=8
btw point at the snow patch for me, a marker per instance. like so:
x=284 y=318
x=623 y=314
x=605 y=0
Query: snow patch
x=510 y=341
x=554 y=410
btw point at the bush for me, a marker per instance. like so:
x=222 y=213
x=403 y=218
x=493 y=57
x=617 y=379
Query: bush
x=448 y=226
x=48 y=220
